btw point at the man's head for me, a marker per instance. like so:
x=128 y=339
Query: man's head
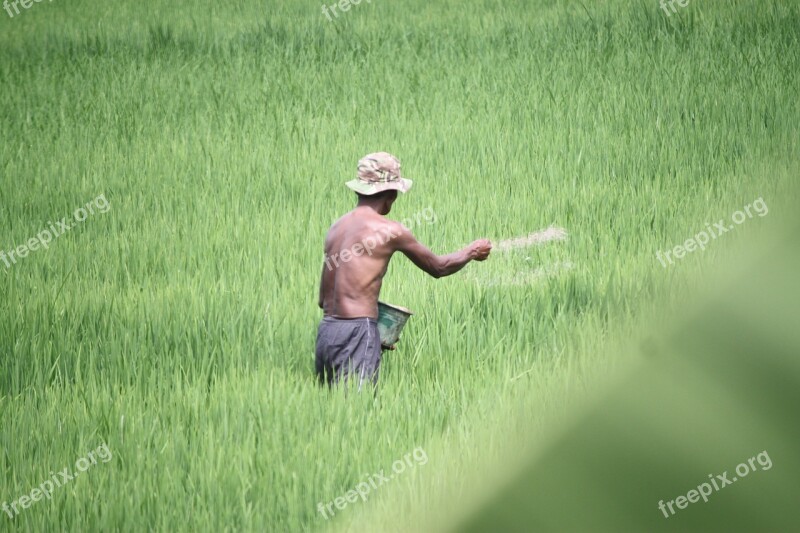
x=377 y=173
x=381 y=202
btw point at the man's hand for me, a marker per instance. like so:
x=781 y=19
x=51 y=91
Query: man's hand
x=480 y=249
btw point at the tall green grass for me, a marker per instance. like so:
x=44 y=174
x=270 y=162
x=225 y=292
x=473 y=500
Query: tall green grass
x=179 y=327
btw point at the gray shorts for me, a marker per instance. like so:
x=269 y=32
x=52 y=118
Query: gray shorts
x=348 y=346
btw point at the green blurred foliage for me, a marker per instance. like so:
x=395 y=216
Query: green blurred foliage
x=712 y=394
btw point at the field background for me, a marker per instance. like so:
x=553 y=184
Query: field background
x=179 y=326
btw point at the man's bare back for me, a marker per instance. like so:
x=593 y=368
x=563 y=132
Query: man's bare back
x=358 y=248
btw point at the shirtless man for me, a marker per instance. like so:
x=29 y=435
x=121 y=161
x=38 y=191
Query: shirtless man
x=358 y=248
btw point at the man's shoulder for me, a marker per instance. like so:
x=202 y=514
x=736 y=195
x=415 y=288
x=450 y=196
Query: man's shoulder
x=391 y=227
x=374 y=222
x=363 y=226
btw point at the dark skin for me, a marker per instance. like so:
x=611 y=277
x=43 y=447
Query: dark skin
x=358 y=248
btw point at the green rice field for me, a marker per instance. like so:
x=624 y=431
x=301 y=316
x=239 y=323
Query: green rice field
x=197 y=152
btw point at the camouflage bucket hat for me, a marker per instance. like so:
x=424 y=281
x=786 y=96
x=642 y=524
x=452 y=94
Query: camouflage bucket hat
x=379 y=172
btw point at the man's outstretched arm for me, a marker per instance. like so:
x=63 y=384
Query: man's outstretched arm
x=439 y=266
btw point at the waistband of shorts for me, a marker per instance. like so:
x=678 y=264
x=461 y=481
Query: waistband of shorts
x=349 y=320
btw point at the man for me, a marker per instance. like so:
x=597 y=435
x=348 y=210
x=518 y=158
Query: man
x=358 y=248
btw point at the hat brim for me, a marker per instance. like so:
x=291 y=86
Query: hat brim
x=368 y=189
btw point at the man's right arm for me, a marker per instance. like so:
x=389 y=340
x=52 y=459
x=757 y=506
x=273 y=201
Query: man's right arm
x=440 y=265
